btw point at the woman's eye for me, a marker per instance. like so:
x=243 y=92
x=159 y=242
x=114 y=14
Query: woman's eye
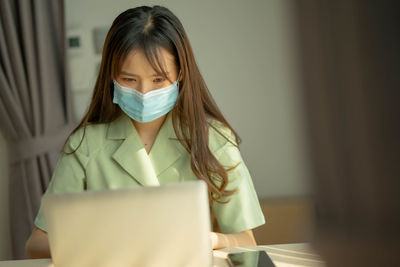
x=128 y=80
x=158 y=80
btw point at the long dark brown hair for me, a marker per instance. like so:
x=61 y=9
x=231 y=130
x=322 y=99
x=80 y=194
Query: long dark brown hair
x=149 y=28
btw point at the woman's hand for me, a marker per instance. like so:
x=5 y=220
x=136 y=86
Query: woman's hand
x=242 y=239
x=214 y=239
x=37 y=245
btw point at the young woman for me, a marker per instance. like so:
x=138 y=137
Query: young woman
x=152 y=121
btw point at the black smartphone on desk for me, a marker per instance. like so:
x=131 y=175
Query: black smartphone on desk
x=250 y=259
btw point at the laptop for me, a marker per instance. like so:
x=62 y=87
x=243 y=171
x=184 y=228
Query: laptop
x=165 y=225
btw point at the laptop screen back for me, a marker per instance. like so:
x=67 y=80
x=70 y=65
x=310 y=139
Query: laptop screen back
x=166 y=225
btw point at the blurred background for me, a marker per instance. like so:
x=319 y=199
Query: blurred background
x=311 y=88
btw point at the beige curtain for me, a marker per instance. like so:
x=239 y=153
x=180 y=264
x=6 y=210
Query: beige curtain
x=35 y=108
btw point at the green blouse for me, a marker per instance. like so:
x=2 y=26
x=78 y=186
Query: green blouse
x=112 y=156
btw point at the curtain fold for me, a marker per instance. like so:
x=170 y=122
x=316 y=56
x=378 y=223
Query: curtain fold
x=35 y=104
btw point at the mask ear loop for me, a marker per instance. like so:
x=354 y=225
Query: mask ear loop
x=179 y=75
x=177 y=79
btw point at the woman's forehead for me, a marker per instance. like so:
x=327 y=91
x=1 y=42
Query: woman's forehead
x=136 y=62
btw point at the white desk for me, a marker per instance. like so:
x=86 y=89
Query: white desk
x=284 y=255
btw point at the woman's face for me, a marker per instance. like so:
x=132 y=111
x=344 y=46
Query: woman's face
x=137 y=72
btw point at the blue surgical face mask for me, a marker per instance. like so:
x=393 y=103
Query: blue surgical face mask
x=146 y=107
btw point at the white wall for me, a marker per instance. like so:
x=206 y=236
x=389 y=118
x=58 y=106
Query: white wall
x=5 y=238
x=245 y=51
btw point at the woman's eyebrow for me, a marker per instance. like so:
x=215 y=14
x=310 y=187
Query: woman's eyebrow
x=132 y=74
x=127 y=73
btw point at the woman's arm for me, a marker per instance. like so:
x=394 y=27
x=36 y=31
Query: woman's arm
x=37 y=245
x=242 y=239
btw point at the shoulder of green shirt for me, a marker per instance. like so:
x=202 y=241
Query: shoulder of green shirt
x=86 y=140
x=220 y=135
